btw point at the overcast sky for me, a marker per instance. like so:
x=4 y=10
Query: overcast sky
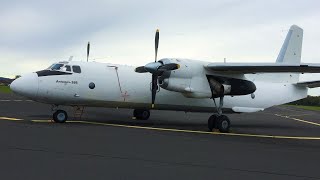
x=34 y=34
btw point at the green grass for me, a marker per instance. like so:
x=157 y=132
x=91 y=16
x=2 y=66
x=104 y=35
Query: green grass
x=5 y=89
x=312 y=108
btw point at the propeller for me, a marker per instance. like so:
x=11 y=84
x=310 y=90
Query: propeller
x=156 y=69
x=154 y=82
x=88 y=51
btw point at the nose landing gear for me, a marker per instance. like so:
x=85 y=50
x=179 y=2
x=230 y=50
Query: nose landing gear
x=60 y=116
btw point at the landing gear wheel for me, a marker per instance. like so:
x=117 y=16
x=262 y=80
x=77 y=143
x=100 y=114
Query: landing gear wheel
x=212 y=122
x=223 y=124
x=60 y=116
x=141 y=114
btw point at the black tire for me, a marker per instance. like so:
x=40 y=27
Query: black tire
x=60 y=116
x=212 y=122
x=141 y=114
x=223 y=124
x=135 y=113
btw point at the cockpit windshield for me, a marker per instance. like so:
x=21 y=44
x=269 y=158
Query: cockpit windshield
x=63 y=67
x=56 y=67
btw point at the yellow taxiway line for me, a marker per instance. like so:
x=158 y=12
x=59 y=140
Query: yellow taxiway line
x=198 y=132
x=10 y=119
x=186 y=131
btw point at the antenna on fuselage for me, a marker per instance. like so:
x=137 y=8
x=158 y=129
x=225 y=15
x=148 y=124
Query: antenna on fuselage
x=88 y=51
x=70 y=58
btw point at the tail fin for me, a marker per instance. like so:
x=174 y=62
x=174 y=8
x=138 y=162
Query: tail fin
x=290 y=53
x=291 y=48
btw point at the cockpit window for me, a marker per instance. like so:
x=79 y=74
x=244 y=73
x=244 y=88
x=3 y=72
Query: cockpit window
x=68 y=68
x=76 y=69
x=50 y=66
x=56 y=67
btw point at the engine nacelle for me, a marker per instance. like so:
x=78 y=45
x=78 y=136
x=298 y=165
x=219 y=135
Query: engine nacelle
x=193 y=81
x=230 y=86
x=189 y=79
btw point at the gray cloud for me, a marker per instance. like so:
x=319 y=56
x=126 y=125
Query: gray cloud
x=53 y=25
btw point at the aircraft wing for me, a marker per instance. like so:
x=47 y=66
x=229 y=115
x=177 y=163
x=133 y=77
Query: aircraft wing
x=252 y=68
x=310 y=84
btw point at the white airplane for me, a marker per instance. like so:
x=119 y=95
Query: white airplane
x=186 y=85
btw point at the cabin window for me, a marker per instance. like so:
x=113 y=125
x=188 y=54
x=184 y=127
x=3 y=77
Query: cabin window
x=76 y=69
x=68 y=68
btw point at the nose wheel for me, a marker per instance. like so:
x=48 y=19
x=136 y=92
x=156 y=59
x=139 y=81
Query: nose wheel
x=60 y=116
x=219 y=121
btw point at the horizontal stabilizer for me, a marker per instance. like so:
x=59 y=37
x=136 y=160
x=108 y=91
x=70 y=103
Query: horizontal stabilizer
x=252 y=68
x=309 y=84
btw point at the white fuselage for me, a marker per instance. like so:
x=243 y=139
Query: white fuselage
x=119 y=86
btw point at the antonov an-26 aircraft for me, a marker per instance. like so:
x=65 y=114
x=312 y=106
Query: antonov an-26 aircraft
x=174 y=84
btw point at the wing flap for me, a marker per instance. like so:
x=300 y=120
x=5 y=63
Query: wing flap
x=252 y=68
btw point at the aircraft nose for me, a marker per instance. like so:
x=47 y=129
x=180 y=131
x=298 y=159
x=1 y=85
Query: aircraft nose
x=26 y=85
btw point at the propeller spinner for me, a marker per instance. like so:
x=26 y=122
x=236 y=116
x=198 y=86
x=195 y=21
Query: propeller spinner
x=156 y=69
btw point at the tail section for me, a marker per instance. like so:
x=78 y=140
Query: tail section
x=291 y=48
x=290 y=53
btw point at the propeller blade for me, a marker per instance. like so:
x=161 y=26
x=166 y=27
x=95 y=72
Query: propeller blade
x=156 y=40
x=169 y=67
x=154 y=88
x=88 y=51
x=140 y=69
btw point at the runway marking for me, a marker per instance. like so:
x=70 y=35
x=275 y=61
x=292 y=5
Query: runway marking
x=302 y=115
x=10 y=119
x=190 y=131
x=300 y=120
x=184 y=130
x=14 y=100
x=44 y=121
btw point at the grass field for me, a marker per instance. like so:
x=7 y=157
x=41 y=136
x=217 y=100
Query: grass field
x=5 y=89
x=312 y=108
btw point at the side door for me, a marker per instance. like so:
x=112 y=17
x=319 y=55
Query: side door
x=74 y=83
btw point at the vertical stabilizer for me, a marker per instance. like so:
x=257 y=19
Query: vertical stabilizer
x=291 y=48
x=290 y=53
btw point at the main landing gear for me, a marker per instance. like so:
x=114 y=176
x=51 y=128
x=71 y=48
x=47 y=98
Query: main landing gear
x=219 y=121
x=141 y=114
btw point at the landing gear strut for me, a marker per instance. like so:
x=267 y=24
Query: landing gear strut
x=141 y=114
x=219 y=121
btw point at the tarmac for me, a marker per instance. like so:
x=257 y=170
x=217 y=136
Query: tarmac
x=282 y=142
